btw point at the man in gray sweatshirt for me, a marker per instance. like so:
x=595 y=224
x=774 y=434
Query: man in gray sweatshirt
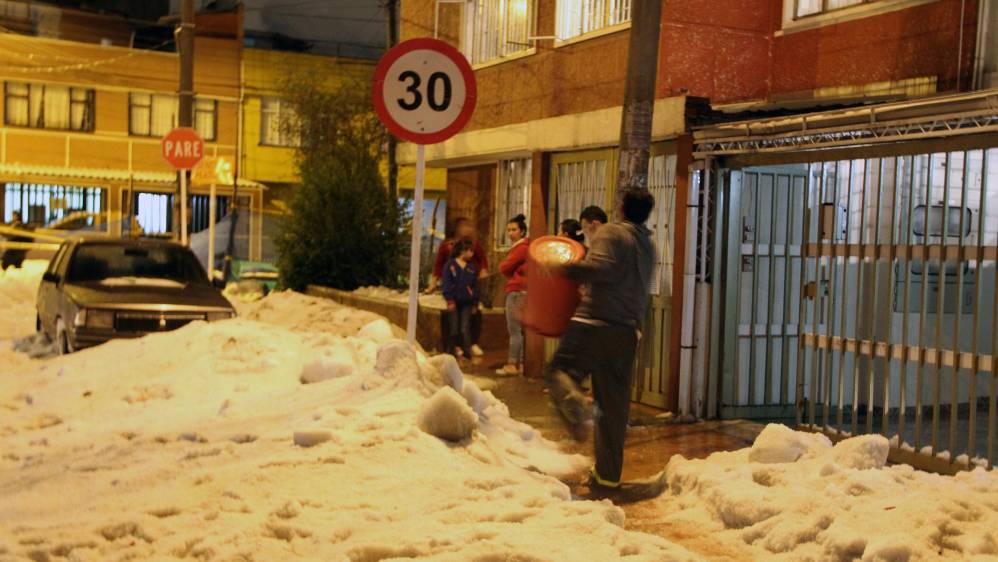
x=602 y=338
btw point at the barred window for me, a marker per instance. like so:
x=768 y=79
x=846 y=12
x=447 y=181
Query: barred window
x=277 y=120
x=47 y=106
x=579 y=185
x=578 y=17
x=498 y=28
x=512 y=196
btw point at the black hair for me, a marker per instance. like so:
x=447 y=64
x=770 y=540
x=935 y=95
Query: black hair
x=593 y=213
x=461 y=246
x=637 y=205
x=572 y=229
x=520 y=221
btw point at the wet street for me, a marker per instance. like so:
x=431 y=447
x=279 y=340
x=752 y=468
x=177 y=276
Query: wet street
x=651 y=442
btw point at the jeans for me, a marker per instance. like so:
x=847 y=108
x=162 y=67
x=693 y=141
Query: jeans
x=460 y=328
x=607 y=354
x=514 y=315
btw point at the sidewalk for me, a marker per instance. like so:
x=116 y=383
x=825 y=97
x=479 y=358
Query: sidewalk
x=648 y=449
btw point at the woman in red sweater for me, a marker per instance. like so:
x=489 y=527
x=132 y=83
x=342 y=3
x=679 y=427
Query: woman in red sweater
x=514 y=267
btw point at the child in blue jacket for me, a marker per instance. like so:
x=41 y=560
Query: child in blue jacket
x=460 y=289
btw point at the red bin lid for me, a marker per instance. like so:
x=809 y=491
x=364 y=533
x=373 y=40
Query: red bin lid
x=556 y=250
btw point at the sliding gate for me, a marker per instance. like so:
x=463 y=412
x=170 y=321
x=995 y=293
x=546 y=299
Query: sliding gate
x=858 y=296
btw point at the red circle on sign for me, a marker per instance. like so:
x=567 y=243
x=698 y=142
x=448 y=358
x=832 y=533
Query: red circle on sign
x=183 y=148
x=430 y=44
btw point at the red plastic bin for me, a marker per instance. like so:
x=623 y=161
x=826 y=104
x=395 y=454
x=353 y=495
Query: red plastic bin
x=551 y=298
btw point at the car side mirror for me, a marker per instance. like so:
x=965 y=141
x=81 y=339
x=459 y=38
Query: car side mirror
x=51 y=277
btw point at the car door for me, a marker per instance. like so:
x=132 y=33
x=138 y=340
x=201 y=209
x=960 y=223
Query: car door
x=48 y=289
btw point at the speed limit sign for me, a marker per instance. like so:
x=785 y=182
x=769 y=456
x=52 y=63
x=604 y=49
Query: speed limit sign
x=424 y=91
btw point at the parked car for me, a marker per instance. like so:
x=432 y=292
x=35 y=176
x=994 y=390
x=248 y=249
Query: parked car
x=97 y=289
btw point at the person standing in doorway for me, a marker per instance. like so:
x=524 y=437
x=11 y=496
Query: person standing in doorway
x=460 y=289
x=602 y=338
x=463 y=230
x=514 y=268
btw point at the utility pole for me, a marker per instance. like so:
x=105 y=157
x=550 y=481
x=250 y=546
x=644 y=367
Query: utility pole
x=639 y=95
x=393 y=169
x=184 y=36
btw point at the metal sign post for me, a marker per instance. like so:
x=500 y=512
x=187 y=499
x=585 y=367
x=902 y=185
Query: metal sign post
x=183 y=148
x=414 y=252
x=183 y=207
x=212 y=209
x=424 y=92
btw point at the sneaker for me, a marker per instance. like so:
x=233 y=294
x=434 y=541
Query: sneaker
x=630 y=491
x=477 y=351
x=509 y=370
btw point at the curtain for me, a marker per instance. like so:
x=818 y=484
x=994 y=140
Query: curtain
x=204 y=118
x=56 y=109
x=35 y=104
x=17 y=104
x=164 y=115
x=140 y=114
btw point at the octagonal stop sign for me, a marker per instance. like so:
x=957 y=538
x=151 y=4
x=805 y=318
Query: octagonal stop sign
x=183 y=148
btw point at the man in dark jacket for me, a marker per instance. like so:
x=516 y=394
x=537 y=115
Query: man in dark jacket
x=602 y=338
x=14 y=257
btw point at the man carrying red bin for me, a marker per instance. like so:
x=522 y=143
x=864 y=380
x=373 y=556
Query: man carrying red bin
x=602 y=337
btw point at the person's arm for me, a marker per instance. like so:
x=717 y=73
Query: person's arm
x=600 y=264
x=517 y=255
x=438 y=266
x=449 y=284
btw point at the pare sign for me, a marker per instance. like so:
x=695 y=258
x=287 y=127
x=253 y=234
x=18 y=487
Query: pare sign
x=183 y=148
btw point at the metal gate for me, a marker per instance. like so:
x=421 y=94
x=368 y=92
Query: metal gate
x=863 y=293
x=762 y=291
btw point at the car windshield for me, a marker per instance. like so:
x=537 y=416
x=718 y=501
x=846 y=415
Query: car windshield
x=98 y=262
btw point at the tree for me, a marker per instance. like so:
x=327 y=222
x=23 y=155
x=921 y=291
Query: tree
x=345 y=229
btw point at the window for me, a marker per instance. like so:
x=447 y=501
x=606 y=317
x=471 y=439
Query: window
x=579 y=184
x=578 y=17
x=512 y=196
x=205 y=113
x=806 y=8
x=154 y=115
x=46 y=106
x=277 y=121
x=498 y=28
x=55 y=206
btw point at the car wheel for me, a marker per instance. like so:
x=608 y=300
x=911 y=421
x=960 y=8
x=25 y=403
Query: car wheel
x=63 y=343
x=40 y=332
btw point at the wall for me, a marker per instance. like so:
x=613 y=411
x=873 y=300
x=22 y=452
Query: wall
x=724 y=50
x=264 y=72
x=113 y=72
x=552 y=82
x=921 y=41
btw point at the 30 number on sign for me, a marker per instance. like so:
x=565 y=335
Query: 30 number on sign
x=416 y=100
x=424 y=91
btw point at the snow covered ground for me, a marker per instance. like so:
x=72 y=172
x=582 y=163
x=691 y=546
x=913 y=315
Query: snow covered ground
x=301 y=430
x=793 y=496
x=306 y=430
x=435 y=300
